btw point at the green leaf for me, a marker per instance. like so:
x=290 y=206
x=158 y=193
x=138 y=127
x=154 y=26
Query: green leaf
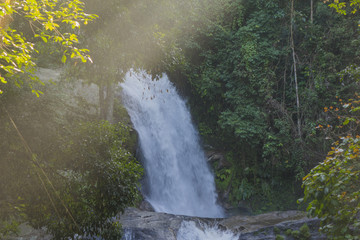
x=36 y=93
x=3 y=80
x=63 y=59
x=44 y=39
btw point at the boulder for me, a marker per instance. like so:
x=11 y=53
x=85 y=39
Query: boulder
x=219 y=157
x=144 y=225
x=146 y=206
x=26 y=232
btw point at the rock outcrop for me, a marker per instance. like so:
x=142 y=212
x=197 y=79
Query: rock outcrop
x=146 y=206
x=28 y=233
x=143 y=225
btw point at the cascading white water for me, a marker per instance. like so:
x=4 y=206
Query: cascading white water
x=178 y=178
x=189 y=231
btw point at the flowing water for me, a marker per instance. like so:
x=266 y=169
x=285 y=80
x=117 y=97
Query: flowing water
x=190 y=231
x=178 y=180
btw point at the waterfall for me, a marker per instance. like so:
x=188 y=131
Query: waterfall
x=178 y=179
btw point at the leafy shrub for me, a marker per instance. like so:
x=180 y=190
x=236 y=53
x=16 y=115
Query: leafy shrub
x=279 y=237
x=332 y=189
x=288 y=232
x=98 y=178
x=305 y=232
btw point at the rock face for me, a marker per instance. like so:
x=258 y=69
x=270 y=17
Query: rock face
x=268 y=226
x=254 y=223
x=218 y=157
x=28 y=233
x=142 y=225
x=146 y=206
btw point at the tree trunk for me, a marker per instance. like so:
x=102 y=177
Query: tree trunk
x=110 y=94
x=311 y=11
x=102 y=99
x=106 y=100
x=292 y=19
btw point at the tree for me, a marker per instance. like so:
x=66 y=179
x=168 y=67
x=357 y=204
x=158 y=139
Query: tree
x=312 y=11
x=292 y=19
x=331 y=189
x=98 y=178
x=72 y=177
x=344 y=7
x=49 y=20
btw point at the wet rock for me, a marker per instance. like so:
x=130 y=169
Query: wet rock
x=269 y=233
x=146 y=206
x=218 y=157
x=231 y=211
x=254 y=223
x=262 y=227
x=28 y=233
x=143 y=225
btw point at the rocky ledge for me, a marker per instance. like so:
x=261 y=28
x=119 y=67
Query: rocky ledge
x=144 y=225
x=147 y=225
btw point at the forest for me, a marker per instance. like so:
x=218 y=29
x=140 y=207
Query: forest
x=271 y=85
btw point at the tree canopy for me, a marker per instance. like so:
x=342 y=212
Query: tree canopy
x=51 y=21
x=240 y=64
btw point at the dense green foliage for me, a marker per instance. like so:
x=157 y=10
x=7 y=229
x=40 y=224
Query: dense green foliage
x=240 y=74
x=332 y=190
x=51 y=21
x=63 y=172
